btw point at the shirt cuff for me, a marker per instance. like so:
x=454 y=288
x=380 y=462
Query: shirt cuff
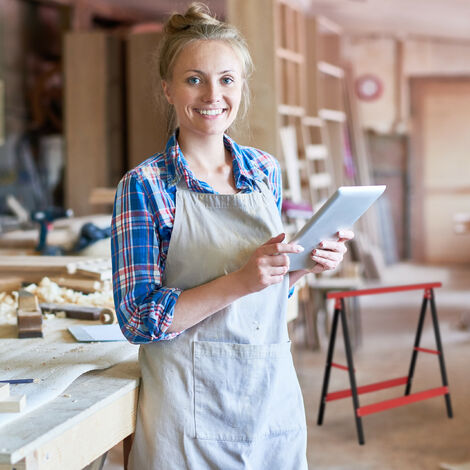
x=165 y=309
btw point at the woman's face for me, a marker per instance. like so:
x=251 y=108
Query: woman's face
x=206 y=87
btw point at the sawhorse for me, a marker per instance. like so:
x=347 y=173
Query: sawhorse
x=354 y=391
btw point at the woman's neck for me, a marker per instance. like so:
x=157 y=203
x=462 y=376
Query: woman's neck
x=207 y=153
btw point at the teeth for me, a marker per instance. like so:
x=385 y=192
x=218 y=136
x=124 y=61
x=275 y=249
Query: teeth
x=210 y=112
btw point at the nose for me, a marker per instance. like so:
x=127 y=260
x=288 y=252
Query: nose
x=212 y=92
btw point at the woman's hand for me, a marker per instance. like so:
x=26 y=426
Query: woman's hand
x=267 y=265
x=329 y=253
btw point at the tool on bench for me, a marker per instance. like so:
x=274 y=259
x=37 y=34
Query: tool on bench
x=29 y=315
x=45 y=218
x=20 y=381
x=104 y=314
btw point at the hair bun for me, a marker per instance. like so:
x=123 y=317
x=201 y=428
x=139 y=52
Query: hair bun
x=197 y=14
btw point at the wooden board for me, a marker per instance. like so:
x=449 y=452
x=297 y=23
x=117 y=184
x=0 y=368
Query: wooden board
x=262 y=116
x=93 y=116
x=147 y=127
x=9 y=283
x=38 y=265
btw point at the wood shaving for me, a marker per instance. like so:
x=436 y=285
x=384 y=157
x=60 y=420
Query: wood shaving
x=50 y=292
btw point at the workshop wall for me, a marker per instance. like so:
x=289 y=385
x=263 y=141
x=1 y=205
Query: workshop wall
x=381 y=57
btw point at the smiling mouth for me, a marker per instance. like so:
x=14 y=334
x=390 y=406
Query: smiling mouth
x=211 y=112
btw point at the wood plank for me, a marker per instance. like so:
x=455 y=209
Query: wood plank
x=93 y=116
x=34 y=266
x=147 y=124
x=330 y=69
x=8 y=284
x=290 y=56
x=291 y=110
x=332 y=115
x=263 y=117
x=28 y=239
x=312 y=121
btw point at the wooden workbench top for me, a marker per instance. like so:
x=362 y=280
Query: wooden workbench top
x=92 y=415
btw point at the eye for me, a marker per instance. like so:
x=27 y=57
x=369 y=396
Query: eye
x=227 y=80
x=193 y=80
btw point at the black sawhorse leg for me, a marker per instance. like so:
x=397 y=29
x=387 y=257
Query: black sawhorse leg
x=429 y=298
x=341 y=313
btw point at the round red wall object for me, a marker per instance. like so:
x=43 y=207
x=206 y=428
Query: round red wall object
x=369 y=87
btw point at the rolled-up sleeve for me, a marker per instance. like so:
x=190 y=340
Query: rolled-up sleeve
x=144 y=307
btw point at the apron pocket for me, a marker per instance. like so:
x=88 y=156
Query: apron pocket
x=244 y=392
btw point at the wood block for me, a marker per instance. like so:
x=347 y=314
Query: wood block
x=13 y=404
x=27 y=302
x=29 y=316
x=29 y=320
x=4 y=391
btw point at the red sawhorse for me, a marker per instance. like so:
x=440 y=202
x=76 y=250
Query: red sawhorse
x=354 y=391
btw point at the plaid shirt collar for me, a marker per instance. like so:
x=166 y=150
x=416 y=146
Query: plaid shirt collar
x=177 y=166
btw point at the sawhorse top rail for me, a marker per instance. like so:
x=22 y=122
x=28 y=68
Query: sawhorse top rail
x=382 y=290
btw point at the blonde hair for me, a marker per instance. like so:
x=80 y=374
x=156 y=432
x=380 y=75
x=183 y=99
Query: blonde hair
x=198 y=24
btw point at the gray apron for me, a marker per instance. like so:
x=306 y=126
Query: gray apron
x=223 y=394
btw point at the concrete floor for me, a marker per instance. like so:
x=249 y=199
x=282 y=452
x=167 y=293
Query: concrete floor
x=414 y=437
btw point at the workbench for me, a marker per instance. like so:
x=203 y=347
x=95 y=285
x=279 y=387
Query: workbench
x=92 y=414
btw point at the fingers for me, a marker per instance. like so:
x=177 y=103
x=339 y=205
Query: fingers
x=327 y=263
x=332 y=245
x=345 y=235
x=276 y=248
x=329 y=253
x=277 y=239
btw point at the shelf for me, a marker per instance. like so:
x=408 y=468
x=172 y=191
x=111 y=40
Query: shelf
x=312 y=121
x=330 y=69
x=332 y=115
x=288 y=110
x=316 y=152
x=290 y=55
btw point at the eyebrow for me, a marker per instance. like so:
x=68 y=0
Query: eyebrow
x=202 y=73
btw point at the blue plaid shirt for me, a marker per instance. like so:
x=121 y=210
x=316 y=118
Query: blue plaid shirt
x=143 y=216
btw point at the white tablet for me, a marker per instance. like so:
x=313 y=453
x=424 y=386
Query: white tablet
x=339 y=212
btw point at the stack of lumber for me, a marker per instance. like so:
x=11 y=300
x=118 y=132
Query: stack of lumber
x=76 y=272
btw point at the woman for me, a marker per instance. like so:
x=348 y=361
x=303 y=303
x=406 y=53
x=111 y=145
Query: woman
x=200 y=274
